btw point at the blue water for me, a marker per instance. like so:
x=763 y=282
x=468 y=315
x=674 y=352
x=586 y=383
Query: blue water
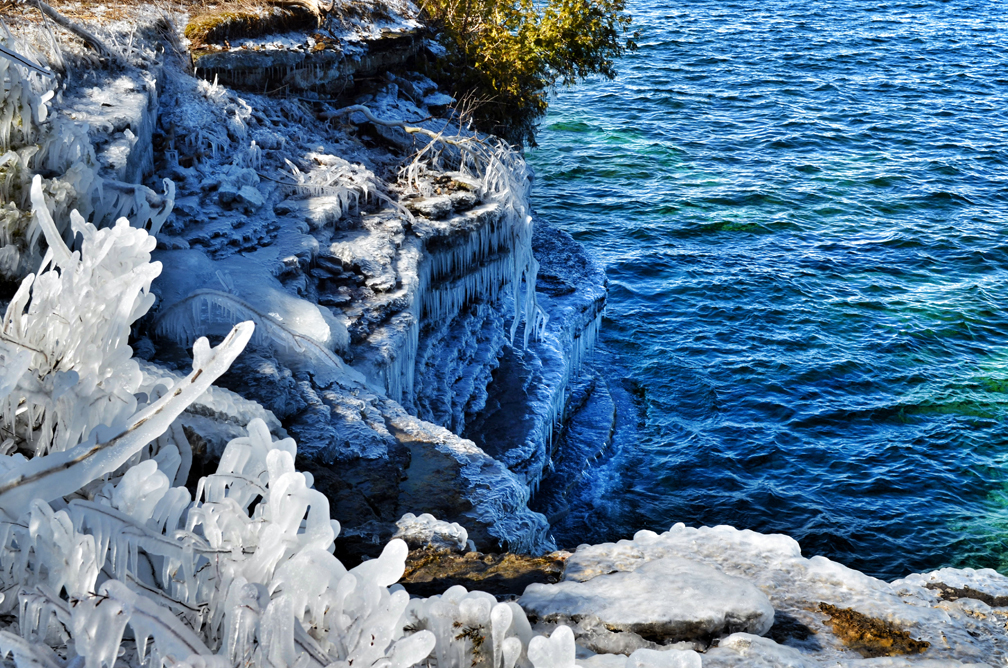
x=803 y=212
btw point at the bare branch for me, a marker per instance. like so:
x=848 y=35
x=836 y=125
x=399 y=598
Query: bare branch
x=411 y=129
x=81 y=32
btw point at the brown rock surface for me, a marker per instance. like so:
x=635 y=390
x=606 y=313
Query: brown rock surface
x=870 y=637
x=430 y=571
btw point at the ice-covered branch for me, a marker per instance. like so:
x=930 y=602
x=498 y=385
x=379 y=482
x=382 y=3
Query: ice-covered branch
x=86 y=35
x=62 y=473
x=411 y=129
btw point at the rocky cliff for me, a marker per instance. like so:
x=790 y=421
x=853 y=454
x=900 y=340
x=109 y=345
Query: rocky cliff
x=385 y=254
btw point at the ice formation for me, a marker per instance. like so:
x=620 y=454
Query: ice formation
x=427 y=530
x=669 y=597
x=957 y=630
x=97 y=534
x=77 y=334
x=36 y=139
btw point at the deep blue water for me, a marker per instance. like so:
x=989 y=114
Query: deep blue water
x=803 y=212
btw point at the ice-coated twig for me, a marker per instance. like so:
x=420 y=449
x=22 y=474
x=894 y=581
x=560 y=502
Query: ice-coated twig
x=26 y=653
x=62 y=473
x=410 y=129
x=86 y=35
x=21 y=60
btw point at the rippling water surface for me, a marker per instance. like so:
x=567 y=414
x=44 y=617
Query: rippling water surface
x=802 y=210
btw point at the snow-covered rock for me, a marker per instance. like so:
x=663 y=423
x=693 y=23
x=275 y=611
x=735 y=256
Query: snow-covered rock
x=666 y=600
x=939 y=618
x=428 y=531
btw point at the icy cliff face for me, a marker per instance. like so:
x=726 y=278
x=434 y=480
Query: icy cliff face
x=375 y=286
x=358 y=266
x=342 y=269
x=527 y=401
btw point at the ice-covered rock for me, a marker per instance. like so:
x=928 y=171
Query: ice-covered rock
x=432 y=207
x=199 y=295
x=644 y=658
x=318 y=211
x=428 y=531
x=665 y=600
x=438 y=100
x=937 y=619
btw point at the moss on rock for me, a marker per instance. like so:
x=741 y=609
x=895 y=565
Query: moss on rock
x=233 y=21
x=868 y=636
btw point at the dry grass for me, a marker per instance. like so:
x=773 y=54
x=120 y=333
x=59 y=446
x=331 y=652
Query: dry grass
x=233 y=17
x=246 y=18
x=90 y=11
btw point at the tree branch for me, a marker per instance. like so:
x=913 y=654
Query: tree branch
x=81 y=32
x=411 y=129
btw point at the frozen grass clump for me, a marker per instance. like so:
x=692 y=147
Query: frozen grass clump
x=74 y=317
x=34 y=141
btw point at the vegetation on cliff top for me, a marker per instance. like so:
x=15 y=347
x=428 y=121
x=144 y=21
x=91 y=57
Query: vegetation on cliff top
x=504 y=56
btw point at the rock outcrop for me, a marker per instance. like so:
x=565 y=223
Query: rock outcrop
x=663 y=601
x=385 y=292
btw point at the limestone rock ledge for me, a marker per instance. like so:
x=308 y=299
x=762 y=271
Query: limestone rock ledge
x=718 y=597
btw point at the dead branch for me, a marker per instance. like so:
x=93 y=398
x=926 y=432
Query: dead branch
x=411 y=129
x=81 y=32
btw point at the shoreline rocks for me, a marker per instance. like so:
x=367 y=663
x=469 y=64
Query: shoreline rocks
x=664 y=601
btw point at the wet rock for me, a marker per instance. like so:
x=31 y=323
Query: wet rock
x=666 y=600
x=431 y=571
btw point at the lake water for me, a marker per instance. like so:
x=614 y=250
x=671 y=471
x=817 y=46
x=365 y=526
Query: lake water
x=803 y=212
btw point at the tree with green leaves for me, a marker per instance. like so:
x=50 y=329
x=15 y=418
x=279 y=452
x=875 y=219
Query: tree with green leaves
x=504 y=56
